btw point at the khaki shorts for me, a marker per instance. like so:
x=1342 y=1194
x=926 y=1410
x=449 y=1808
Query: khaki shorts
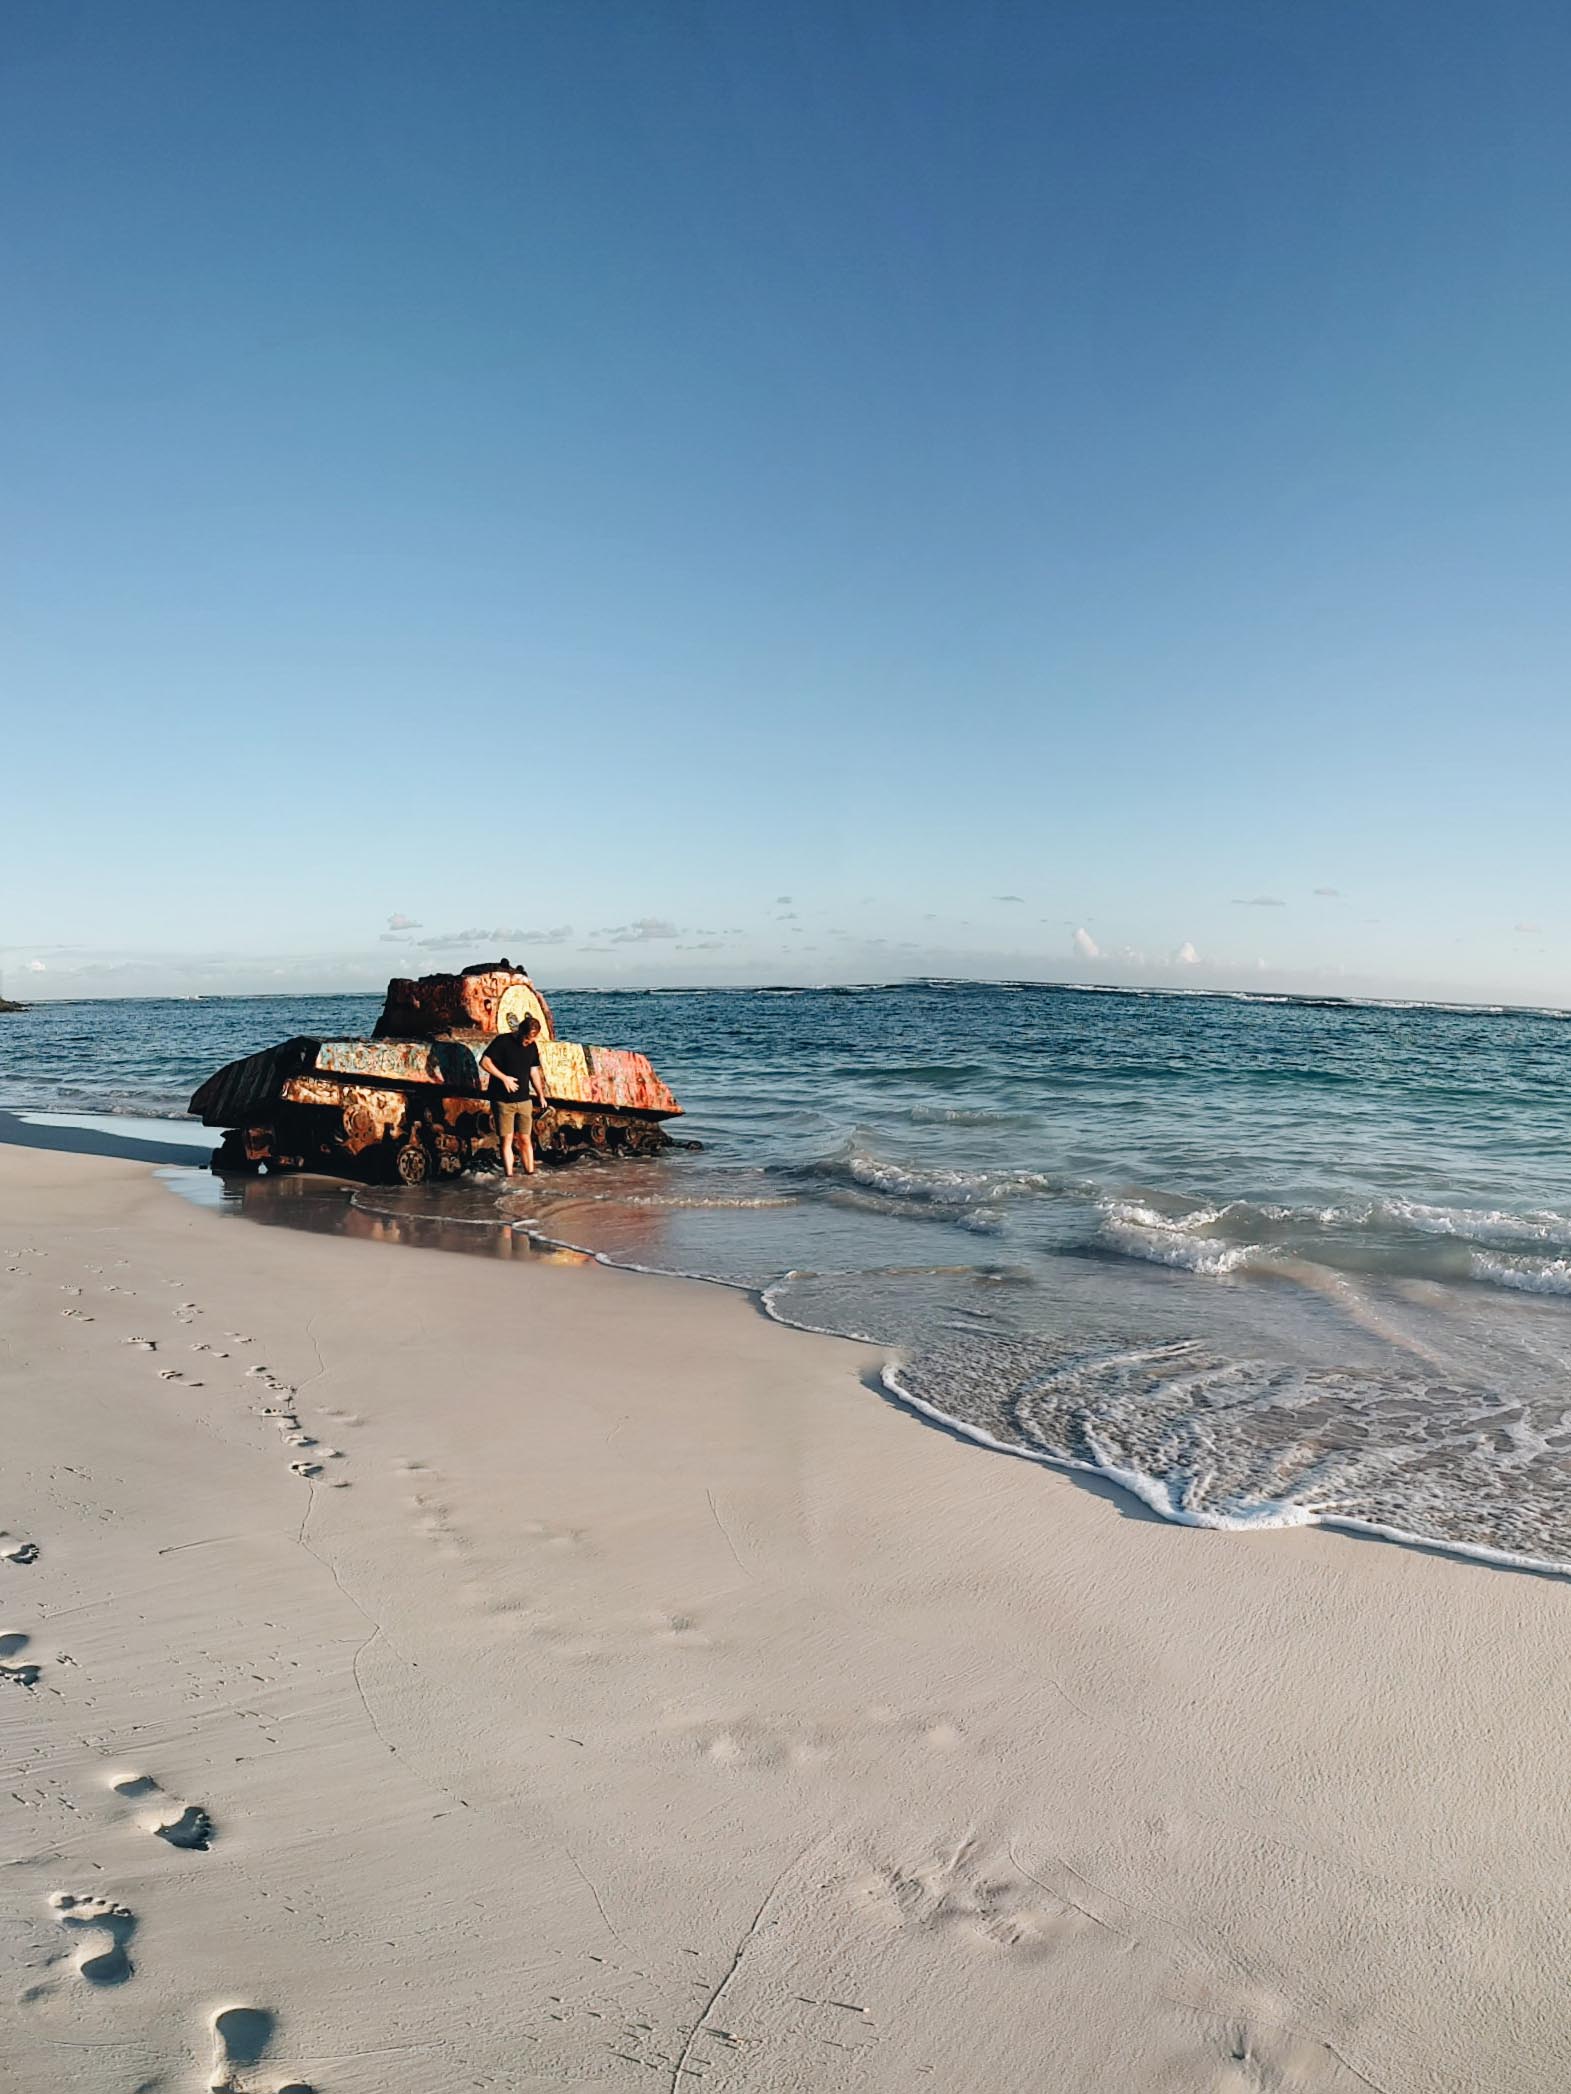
x=515 y=1116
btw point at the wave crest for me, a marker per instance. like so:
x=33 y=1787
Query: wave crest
x=932 y=1185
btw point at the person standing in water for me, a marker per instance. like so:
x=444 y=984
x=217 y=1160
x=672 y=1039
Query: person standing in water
x=513 y=1061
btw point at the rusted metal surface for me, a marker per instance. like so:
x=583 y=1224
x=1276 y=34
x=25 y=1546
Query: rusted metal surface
x=245 y=1089
x=414 y=1104
x=371 y=1115
x=613 y=1076
x=398 y=1061
x=456 y=1111
x=313 y=1090
x=460 y=1006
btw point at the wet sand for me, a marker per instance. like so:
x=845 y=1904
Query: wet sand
x=433 y=1672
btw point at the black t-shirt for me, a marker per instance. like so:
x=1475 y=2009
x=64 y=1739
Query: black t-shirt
x=514 y=1056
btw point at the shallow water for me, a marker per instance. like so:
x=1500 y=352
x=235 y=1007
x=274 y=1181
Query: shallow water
x=1263 y=1261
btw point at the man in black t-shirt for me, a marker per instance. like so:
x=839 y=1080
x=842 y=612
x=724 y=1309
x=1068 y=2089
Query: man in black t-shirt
x=512 y=1061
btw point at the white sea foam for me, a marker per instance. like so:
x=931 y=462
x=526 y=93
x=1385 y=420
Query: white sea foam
x=930 y=1184
x=1526 y=1275
x=1488 y=1225
x=1142 y=1231
x=1241 y=1445
x=1243 y=1234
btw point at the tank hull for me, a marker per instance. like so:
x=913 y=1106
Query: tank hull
x=385 y=1136
x=417 y=1107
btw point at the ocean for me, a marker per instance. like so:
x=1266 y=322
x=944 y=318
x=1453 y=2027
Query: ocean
x=1262 y=1261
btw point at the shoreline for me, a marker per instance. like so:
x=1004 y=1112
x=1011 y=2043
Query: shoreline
x=652 y=1704
x=1131 y=1484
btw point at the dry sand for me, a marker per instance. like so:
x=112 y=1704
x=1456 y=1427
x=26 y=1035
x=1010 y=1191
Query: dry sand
x=656 y=1706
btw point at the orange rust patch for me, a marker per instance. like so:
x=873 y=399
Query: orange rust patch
x=371 y=1116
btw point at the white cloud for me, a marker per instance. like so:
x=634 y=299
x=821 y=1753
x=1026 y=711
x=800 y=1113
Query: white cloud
x=1258 y=901
x=1332 y=894
x=1532 y=929
x=1009 y=898
x=644 y=931
x=1186 y=956
x=1086 y=946
x=782 y=900
x=396 y=922
x=505 y=934
x=36 y=967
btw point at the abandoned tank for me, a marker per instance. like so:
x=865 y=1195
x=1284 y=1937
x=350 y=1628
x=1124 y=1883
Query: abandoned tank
x=411 y=1103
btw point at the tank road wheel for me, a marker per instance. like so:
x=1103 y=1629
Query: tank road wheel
x=413 y=1165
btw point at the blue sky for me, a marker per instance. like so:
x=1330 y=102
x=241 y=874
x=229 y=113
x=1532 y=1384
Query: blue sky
x=1077 y=490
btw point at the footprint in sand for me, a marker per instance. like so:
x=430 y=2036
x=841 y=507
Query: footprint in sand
x=14 y=1551
x=683 y=1630
x=184 y=1825
x=142 y=1344
x=975 y=1896
x=106 y=1929
x=548 y=1537
x=13 y=1666
x=241 y=2039
x=79 y=1315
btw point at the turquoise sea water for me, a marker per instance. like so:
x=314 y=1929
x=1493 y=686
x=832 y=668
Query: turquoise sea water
x=1264 y=1261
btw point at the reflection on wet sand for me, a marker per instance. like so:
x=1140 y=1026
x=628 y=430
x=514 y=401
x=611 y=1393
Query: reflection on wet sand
x=450 y=1218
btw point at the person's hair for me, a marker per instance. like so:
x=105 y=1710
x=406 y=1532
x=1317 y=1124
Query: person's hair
x=525 y=1022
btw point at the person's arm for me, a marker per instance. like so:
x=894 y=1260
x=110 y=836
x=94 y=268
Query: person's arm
x=537 y=1079
x=489 y=1068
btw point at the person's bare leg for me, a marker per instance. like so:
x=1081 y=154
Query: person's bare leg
x=507 y=1154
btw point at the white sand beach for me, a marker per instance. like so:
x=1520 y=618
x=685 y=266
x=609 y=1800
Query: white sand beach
x=558 y=1677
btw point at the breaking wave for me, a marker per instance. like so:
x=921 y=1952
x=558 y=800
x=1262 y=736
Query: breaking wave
x=1388 y=1236
x=1527 y=1276
x=933 y=1185
x=1142 y=1232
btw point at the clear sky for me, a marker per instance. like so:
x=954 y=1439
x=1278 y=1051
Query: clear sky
x=818 y=490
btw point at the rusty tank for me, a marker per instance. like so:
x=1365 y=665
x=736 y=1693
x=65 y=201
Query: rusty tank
x=410 y=1103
